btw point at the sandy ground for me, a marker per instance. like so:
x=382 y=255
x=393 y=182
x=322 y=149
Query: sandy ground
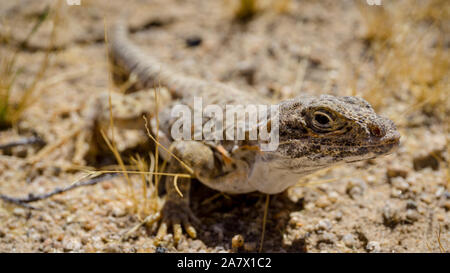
x=398 y=203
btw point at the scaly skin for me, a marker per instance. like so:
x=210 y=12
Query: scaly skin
x=314 y=132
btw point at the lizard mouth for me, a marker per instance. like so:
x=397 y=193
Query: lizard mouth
x=373 y=151
x=348 y=152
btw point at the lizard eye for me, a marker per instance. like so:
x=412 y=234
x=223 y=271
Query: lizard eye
x=322 y=119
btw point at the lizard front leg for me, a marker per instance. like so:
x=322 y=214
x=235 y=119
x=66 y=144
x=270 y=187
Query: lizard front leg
x=176 y=212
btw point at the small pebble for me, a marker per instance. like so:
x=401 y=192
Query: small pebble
x=371 y=178
x=322 y=202
x=88 y=225
x=107 y=185
x=247 y=70
x=447 y=205
x=338 y=215
x=426 y=198
x=396 y=193
x=439 y=192
x=118 y=212
x=71 y=245
x=373 y=247
x=440 y=217
x=356 y=187
x=396 y=172
x=413 y=181
x=160 y=249
x=327 y=237
x=85 y=240
x=19 y=212
x=112 y=248
x=35 y=237
x=400 y=183
x=411 y=204
x=349 y=240
x=193 y=41
x=333 y=197
x=430 y=160
x=390 y=216
x=237 y=242
x=412 y=215
x=197 y=245
x=310 y=206
x=324 y=225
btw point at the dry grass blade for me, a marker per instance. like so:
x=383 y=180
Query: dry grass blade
x=149 y=220
x=189 y=169
x=116 y=153
x=183 y=175
x=11 y=111
x=266 y=210
x=175 y=180
x=140 y=164
x=441 y=248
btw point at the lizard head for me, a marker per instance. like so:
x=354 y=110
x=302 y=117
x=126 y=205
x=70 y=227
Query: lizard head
x=322 y=131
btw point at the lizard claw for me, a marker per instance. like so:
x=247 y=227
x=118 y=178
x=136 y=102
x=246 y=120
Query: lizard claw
x=176 y=215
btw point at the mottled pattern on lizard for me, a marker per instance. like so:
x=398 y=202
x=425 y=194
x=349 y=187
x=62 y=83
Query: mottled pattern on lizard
x=315 y=133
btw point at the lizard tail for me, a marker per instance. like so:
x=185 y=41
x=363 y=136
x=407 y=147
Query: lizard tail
x=149 y=70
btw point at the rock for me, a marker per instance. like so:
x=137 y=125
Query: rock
x=440 y=217
x=20 y=212
x=338 y=215
x=400 y=183
x=373 y=247
x=327 y=237
x=183 y=246
x=247 y=70
x=322 y=202
x=193 y=41
x=439 y=192
x=324 y=224
x=356 y=187
x=396 y=193
x=349 y=240
x=160 y=249
x=85 y=240
x=411 y=204
x=71 y=244
x=396 y=172
x=112 y=248
x=196 y=245
x=333 y=197
x=430 y=160
x=412 y=215
x=2 y=233
x=88 y=225
x=426 y=198
x=237 y=242
x=118 y=211
x=390 y=216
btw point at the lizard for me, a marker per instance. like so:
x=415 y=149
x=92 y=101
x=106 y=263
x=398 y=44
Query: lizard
x=315 y=132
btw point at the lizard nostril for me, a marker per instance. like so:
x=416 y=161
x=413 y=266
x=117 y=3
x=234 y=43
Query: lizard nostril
x=375 y=130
